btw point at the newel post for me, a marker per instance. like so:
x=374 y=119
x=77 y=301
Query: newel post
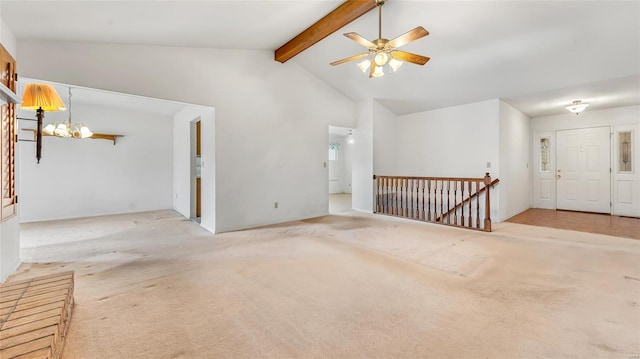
x=375 y=193
x=487 y=206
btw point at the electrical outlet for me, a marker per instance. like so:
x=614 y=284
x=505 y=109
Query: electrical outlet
x=488 y=164
x=275 y=204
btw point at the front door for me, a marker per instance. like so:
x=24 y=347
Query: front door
x=583 y=170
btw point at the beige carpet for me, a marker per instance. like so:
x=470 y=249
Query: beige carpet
x=155 y=285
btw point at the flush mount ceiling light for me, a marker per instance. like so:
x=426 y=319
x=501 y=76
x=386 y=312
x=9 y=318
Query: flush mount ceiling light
x=383 y=52
x=67 y=128
x=577 y=106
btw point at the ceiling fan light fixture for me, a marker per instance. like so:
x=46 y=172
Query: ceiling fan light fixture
x=378 y=72
x=364 y=65
x=577 y=107
x=382 y=51
x=381 y=58
x=395 y=64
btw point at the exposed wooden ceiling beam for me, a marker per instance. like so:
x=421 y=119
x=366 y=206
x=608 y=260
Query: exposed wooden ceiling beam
x=332 y=22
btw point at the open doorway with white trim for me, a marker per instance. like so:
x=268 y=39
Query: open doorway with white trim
x=340 y=148
x=196 y=170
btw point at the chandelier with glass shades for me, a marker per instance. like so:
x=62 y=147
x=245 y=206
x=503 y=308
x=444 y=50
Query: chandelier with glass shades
x=67 y=128
x=384 y=53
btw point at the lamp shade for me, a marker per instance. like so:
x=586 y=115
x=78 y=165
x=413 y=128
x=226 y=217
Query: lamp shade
x=43 y=96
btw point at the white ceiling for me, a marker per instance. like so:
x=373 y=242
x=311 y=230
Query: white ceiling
x=537 y=55
x=125 y=102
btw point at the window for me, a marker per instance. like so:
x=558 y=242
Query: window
x=544 y=155
x=625 y=152
x=334 y=151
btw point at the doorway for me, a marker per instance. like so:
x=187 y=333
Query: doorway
x=583 y=171
x=196 y=169
x=340 y=149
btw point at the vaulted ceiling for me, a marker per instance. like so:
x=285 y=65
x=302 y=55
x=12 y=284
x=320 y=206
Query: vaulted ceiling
x=537 y=55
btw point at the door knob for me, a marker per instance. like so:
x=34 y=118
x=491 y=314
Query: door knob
x=559 y=176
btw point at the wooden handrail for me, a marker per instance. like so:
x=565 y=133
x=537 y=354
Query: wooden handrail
x=466 y=200
x=433 y=178
x=452 y=201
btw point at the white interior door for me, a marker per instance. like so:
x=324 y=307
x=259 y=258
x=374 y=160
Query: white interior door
x=583 y=170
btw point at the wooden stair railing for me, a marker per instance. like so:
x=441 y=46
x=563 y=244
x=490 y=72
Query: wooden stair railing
x=466 y=200
x=442 y=200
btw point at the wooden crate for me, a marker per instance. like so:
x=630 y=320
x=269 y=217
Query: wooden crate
x=35 y=315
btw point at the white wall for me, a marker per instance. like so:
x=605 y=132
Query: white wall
x=452 y=142
x=8 y=40
x=625 y=202
x=271 y=118
x=515 y=170
x=79 y=178
x=384 y=141
x=362 y=180
x=182 y=160
x=10 y=229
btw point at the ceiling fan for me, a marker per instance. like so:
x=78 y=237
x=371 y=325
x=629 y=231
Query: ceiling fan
x=383 y=51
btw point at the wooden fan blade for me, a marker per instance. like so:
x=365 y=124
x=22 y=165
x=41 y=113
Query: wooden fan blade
x=373 y=69
x=409 y=57
x=360 y=40
x=407 y=37
x=352 y=58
